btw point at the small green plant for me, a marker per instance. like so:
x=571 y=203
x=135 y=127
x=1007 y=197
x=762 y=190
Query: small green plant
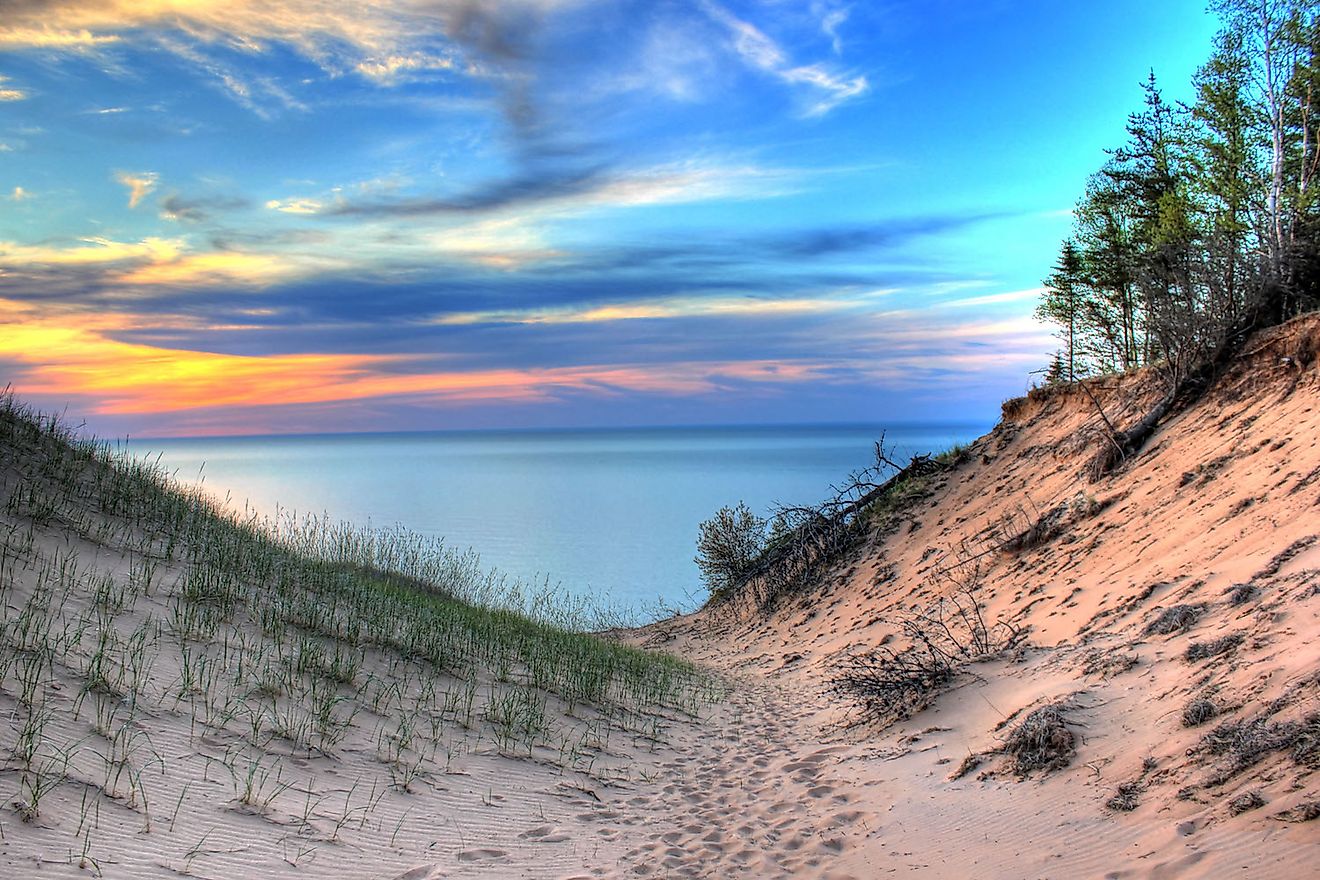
x=728 y=545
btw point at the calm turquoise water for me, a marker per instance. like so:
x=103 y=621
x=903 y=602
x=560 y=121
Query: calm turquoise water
x=609 y=513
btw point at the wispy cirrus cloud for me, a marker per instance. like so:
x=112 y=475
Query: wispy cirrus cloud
x=722 y=306
x=760 y=52
x=580 y=188
x=832 y=20
x=384 y=37
x=391 y=69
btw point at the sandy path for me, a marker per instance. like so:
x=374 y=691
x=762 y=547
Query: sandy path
x=752 y=793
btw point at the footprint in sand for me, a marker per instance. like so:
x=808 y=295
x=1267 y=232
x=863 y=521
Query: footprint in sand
x=422 y=872
x=481 y=855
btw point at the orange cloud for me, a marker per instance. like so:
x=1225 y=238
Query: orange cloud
x=91 y=251
x=76 y=354
x=219 y=266
x=139 y=185
x=52 y=38
x=162 y=261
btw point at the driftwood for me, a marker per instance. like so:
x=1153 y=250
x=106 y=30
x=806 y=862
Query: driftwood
x=814 y=537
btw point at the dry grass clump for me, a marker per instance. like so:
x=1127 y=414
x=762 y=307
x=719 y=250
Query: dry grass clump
x=1198 y=712
x=1127 y=798
x=1175 y=619
x=1107 y=664
x=1306 y=747
x=1306 y=811
x=1241 y=594
x=969 y=763
x=1205 y=650
x=1054 y=523
x=892 y=685
x=889 y=685
x=1246 y=743
x=1252 y=800
x=1043 y=741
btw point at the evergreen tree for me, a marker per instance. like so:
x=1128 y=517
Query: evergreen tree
x=1064 y=290
x=1205 y=223
x=1226 y=176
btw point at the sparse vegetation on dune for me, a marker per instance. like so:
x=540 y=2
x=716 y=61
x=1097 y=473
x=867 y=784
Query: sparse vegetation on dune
x=758 y=562
x=128 y=599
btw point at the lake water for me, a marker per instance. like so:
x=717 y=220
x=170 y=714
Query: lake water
x=612 y=514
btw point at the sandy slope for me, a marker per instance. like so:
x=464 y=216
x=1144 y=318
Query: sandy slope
x=783 y=779
x=1225 y=495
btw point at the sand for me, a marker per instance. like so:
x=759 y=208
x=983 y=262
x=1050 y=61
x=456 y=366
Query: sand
x=782 y=776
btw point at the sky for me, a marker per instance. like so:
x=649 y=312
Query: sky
x=284 y=216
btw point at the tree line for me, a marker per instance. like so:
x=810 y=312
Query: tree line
x=1205 y=222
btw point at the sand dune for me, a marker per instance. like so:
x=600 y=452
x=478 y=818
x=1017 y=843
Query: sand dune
x=1217 y=521
x=1170 y=615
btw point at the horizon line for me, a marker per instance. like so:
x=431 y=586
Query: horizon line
x=560 y=429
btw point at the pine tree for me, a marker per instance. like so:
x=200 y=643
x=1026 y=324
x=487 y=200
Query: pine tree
x=1226 y=176
x=1064 y=290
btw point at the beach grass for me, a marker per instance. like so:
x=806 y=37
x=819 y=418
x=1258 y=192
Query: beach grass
x=128 y=597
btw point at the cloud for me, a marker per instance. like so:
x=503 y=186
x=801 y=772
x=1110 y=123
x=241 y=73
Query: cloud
x=139 y=184
x=509 y=243
x=1013 y=296
x=76 y=354
x=528 y=187
x=830 y=22
x=837 y=88
x=218 y=267
x=760 y=52
x=295 y=206
x=19 y=194
x=53 y=38
x=197 y=209
x=9 y=93
x=579 y=188
x=392 y=69
x=92 y=251
x=160 y=262
x=668 y=308
x=379 y=36
x=256 y=93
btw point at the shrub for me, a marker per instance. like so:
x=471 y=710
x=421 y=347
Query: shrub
x=1198 y=712
x=1126 y=799
x=1252 y=800
x=1205 y=650
x=728 y=545
x=1175 y=619
x=1240 y=594
x=1042 y=741
x=890 y=685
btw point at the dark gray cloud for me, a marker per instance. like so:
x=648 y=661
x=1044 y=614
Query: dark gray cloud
x=527 y=187
x=199 y=209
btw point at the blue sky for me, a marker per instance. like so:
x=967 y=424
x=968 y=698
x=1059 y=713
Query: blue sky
x=296 y=215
